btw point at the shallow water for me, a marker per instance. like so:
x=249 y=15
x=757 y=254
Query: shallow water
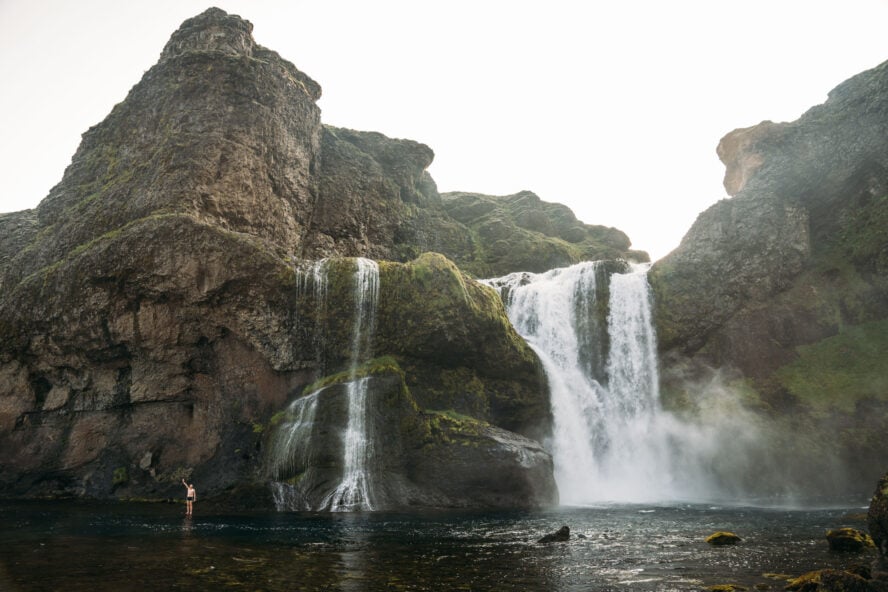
x=77 y=546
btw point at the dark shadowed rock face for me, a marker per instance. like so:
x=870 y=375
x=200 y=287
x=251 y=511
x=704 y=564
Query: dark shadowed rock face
x=152 y=321
x=877 y=523
x=787 y=281
x=377 y=200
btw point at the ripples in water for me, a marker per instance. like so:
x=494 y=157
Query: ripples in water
x=85 y=546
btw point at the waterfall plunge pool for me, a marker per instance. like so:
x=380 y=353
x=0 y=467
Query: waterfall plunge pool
x=80 y=546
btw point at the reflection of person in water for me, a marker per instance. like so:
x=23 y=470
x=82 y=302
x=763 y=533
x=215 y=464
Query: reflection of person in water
x=190 y=496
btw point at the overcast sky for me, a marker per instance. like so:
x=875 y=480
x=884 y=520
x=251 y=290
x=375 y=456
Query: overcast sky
x=613 y=108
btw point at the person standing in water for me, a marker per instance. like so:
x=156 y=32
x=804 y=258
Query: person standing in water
x=190 y=496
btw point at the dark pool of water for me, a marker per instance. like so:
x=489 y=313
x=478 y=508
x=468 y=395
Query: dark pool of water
x=78 y=546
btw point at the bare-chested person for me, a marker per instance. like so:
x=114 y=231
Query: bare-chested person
x=190 y=496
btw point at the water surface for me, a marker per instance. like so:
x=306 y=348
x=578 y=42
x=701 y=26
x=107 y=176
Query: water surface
x=76 y=546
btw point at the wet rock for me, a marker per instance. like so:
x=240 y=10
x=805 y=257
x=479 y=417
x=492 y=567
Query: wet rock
x=829 y=580
x=877 y=517
x=722 y=538
x=848 y=540
x=419 y=458
x=877 y=522
x=559 y=536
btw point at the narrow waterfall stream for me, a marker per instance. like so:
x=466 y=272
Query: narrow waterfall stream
x=292 y=449
x=355 y=492
x=610 y=439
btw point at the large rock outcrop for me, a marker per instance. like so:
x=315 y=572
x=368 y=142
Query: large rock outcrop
x=786 y=282
x=521 y=232
x=413 y=458
x=155 y=310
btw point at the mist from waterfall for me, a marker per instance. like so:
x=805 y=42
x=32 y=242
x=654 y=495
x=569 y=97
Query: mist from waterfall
x=611 y=439
x=291 y=449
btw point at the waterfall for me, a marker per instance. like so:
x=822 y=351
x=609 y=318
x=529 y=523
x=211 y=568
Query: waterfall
x=607 y=442
x=293 y=450
x=355 y=491
x=290 y=453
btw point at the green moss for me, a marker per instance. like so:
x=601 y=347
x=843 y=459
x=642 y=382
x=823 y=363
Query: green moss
x=452 y=428
x=839 y=371
x=374 y=367
x=277 y=418
x=523 y=233
x=456 y=418
x=831 y=579
x=849 y=539
x=258 y=428
x=119 y=477
x=723 y=538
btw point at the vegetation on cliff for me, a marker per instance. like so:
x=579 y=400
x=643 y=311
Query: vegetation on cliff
x=523 y=233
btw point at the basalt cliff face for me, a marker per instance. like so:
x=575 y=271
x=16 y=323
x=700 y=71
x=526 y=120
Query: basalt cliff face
x=157 y=313
x=784 y=286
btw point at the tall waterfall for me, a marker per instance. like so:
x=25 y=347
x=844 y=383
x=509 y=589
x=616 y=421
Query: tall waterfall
x=292 y=450
x=608 y=441
x=355 y=491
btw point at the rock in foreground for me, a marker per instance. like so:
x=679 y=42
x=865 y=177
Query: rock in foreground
x=721 y=538
x=559 y=536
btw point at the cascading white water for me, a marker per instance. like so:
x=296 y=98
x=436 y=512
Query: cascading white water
x=633 y=460
x=543 y=308
x=289 y=453
x=355 y=490
x=608 y=441
x=292 y=446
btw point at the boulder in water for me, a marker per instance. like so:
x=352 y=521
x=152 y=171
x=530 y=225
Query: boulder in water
x=848 y=539
x=722 y=538
x=559 y=536
x=829 y=580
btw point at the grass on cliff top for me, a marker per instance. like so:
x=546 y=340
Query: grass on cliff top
x=839 y=371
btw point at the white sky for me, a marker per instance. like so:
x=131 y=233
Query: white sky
x=612 y=108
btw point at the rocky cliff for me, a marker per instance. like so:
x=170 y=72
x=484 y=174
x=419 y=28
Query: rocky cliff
x=785 y=284
x=521 y=232
x=155 y=318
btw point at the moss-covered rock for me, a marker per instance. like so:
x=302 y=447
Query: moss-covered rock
x=454 y=339
x=413 y=458
x=149 y=306
x=829 y=580
x=722 y=538
x=848 y=540
x=521 y=232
